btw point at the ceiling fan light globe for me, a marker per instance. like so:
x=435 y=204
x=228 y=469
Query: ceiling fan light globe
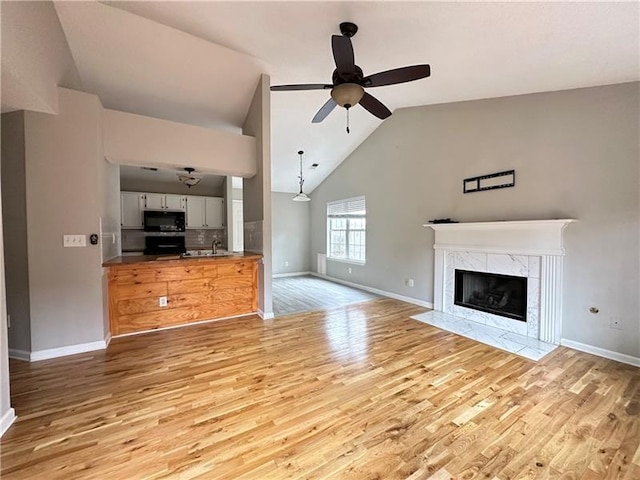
x=347 y=94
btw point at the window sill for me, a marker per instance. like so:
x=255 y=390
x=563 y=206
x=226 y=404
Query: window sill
x=344 y=260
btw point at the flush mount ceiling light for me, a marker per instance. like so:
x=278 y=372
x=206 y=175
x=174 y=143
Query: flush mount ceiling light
x=188 y=179
x=301 y=196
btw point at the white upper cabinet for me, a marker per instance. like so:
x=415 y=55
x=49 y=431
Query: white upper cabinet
x=201 y=212
x=131 y=207
x=195 y=212
x=213 y=212
x=205 y=212
x=154 y=201
x=174 y=202
x=160 y=201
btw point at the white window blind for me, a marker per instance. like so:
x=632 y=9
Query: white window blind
x=346 y=229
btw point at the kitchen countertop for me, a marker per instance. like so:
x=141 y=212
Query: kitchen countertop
x=154 y=260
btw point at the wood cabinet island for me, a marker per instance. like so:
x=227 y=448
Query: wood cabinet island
x=195 y=289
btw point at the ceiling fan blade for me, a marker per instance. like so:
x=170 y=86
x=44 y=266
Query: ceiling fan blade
x=326 y=109
x=304 y=86
x=343 y=53
x=397 y=75
x=374 y=106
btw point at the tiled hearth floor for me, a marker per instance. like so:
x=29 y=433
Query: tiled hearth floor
x=527 y=347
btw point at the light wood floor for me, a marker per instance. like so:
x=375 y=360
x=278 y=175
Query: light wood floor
x=361 y=392
x=306 y=293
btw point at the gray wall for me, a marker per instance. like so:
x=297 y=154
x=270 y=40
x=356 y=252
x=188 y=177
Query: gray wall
x=6 y=412
x=14 y=214
x=576 y=156
x=63 y=180
x=291 y=239
x=257 y=190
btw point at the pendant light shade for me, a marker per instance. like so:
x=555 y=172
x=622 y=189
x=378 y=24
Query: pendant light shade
x=301 y=196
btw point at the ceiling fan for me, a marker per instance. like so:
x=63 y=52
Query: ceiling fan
x=349 y=82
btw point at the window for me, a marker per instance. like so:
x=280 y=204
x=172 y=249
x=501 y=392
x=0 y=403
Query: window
x=347 y=229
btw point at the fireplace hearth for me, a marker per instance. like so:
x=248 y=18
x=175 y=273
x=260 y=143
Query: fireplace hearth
x=503 y=295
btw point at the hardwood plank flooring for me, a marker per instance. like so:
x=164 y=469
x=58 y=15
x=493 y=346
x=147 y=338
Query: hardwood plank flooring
x=306 y=293
x=358 y=392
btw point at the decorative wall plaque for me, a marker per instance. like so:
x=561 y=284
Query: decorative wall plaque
x=489 y=182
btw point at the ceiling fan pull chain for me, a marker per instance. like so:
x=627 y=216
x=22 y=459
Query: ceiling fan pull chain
x=348 y=131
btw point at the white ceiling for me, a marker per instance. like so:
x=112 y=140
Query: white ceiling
x=131 y=174
x=207 y=75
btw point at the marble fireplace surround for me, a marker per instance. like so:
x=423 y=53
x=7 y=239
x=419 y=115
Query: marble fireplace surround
x=528 y=248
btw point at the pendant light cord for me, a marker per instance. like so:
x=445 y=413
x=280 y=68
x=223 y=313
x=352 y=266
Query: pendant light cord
x=348 y=131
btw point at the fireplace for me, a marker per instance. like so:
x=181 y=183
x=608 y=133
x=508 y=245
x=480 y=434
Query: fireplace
x=531 y=250
x=503 y=295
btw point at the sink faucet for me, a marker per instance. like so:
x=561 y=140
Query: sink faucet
x=214 y=246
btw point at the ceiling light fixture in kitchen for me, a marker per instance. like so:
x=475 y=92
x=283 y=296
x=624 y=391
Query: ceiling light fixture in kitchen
x=189 y=180
x=301 y=196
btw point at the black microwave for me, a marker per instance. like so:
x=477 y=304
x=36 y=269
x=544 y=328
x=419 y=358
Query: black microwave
x=163 y=221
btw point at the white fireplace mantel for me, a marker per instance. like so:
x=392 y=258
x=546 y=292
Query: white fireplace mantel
x=528 y=248
x=525 y=237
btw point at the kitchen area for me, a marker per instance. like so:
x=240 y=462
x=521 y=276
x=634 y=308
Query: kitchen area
x=166 y=211
x=181 y=262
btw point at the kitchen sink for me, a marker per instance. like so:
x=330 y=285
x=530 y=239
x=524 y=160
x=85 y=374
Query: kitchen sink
x=205 y=253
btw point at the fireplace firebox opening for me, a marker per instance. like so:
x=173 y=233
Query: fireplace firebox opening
x=503 y=295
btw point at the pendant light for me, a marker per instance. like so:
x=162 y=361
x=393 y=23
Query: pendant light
x=301 y=196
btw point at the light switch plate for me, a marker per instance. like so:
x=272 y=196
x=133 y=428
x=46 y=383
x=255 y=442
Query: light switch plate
x=74 y=240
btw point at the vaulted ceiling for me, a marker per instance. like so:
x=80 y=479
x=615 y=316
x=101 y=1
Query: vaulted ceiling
x=199 y=62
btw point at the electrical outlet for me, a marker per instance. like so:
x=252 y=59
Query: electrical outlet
x=163 y=301
x=409 y=282
x=74 y=240
x=615 y=323
x=286 y=264
x=349 y=270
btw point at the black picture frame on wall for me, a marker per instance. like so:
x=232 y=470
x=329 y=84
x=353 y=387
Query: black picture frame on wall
x=489 y=182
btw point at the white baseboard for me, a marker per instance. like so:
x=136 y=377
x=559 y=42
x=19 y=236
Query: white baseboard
x=601 y=352
x=292 y=274
x=18 y=354
x=69 y=350
x=384 y=293
x=265 y=315
x=6 y=420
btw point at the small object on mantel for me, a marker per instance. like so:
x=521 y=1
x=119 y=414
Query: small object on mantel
x=442 y=220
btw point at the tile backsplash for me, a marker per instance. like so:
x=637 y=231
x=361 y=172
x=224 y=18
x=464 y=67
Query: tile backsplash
x=133 y=240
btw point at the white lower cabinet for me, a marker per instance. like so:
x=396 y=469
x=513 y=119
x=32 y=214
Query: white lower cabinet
x=205 y=212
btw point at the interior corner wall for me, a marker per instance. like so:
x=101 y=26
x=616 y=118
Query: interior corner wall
x=63 y=192
x=291 y=237
x=7 y=414
x=575 y=154
x=257 y=191
x=14 y=226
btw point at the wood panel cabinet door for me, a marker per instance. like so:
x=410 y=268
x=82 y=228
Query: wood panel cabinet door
x=154 y=201
x=174 y=202
x=213 y=212
x=195 y=212
x=131 y=206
